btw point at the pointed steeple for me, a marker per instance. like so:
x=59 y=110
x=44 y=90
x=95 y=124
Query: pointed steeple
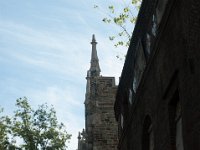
x=94 y=67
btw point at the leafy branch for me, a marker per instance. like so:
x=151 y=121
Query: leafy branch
x=124 y=19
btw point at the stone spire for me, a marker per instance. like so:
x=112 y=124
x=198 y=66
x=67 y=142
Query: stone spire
x=94 y=67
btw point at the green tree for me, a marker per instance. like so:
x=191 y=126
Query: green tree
x=123 y=18
x=3 y=131
x=39 y=129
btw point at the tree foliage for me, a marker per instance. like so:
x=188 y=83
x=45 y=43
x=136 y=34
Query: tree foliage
x=37 y=129
x=124 y=19
x=4 y=120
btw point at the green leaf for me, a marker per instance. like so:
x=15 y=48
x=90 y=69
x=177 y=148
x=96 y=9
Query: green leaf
x=126 y=9
x=111 y=38
x=96 y=6
x=111 y=8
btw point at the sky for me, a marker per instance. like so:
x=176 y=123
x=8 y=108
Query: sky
x=45 y=54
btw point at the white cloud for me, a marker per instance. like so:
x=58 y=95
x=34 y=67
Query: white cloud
x=59 y=53
x=63 y=51
x=51 y=50
x=64 y=56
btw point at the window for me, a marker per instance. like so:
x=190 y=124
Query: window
x=130 y=96
x=122 y=121
x=151 y=138
x=148 y=135
x=160 y=9
x=175 y=121
x=154 y=25
x=134 y=83
x=148 y=43
x=178 y=120
x=140 y=64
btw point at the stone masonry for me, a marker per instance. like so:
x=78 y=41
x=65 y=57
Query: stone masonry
x=100 y=125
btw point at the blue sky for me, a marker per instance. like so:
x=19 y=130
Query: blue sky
x=45 y=54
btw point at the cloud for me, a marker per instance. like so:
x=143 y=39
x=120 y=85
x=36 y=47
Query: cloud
x=33 y=36
x=62 y=56
x=46 y=59
x=51 y=50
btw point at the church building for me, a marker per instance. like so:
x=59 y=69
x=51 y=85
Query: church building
x=101 y=129
x=158 y=98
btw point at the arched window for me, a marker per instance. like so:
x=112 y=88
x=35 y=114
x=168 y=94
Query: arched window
x=175 y=122
x=122 y=121
x=148 y=135
x=148 y=43
x=160 y=9
x=139 y=66
x=154 y=25
x=130 y=97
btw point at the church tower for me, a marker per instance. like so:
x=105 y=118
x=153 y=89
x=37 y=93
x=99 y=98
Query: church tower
x=100 y=126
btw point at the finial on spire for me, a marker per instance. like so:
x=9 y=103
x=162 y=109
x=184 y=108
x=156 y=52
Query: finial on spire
x=93 y=39
x=94 y=68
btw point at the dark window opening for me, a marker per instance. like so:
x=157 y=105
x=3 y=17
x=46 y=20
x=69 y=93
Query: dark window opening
x=148 y=135
x=175 y=122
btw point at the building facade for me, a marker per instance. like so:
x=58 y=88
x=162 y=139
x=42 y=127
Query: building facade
x=100 y=125
x=158 y=98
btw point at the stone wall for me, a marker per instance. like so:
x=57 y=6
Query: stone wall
x=171 y=78
x=104 y=123
x=101 y=132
